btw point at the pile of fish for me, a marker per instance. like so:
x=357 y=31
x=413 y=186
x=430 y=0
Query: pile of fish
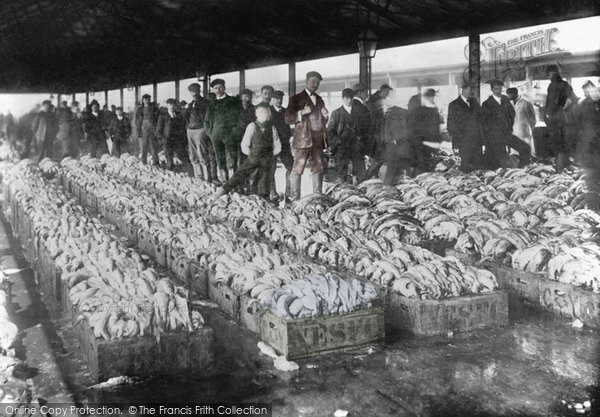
x=317 y=295
x=378 y=249
x=108 y=283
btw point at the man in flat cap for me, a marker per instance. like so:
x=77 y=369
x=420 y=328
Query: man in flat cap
x=119 y=129
x=363 y=128
x=146 y=119
x=498 y=121
x=377 y=106
x=94 y=126
x=465 y=129
x=307 y=112
x=222 y=125
x=200 y=148
x=266 y=93
x=559 y=92
x=284 y=132
x=171 y=131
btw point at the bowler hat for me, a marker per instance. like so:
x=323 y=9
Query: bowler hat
x=247 y=92
x=171 y=101
x=195 y=87
x=359 y=87
x=311 y=74
x=146 y=96
x=217 y=81
x=385 y=87
x=430 y=92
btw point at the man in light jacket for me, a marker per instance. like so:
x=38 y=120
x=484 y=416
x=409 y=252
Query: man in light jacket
x=524 y=117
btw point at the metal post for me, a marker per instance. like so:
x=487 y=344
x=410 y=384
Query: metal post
x=177 y=90
x=155 y=92
x=292 y=79
x=106 y=99
x=205 y=82
x=87 y=98
x=242 y=81
x=136 y=93
x=364 y=72
x=121 y=98
x=475 y=63
x=58 y=100
x=73 y=98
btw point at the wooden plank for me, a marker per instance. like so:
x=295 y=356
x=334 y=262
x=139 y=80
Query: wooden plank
x=459 y=314
x=305 y=337
x=570 y=301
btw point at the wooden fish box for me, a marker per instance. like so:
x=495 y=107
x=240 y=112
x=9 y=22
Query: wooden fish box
x=176 y=353
x=127 y=229
x=226 y=297
x=76 y=190
x=571 y=301
x=91 y=202
x=435 y=317
x=464 y=257
x=145 y=242
x=525 y=284
x=250 y=313
x=198 y=279
x=65 y=181
x=311 y=336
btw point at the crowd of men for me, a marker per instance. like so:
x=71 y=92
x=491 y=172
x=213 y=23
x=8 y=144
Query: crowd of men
x=229 y=141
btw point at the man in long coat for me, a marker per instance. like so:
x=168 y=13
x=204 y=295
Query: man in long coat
x=306 y=110
x=465 y=129
x=45 y=128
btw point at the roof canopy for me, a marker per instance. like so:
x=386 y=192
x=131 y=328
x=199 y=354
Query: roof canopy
x=91 y=45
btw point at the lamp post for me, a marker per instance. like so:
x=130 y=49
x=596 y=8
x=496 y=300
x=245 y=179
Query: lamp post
x=367 y=46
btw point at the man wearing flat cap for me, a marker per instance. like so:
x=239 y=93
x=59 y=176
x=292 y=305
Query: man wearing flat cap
x=200 y=148
x=363 y=128
x=222 y=126
x=377 y=106
x=284 y=132
x=307 y=112
x=146 y=119
x=498 y=121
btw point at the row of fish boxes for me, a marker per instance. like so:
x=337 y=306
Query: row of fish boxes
x=421 y=317
x=174 y=353
x=538 y=289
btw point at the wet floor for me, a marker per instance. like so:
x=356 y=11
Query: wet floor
x=525 y=368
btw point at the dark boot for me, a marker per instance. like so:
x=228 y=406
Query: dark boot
x=317 y=183
x=295 y=186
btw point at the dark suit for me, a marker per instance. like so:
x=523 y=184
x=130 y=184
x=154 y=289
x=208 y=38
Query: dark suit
x=309 y=132
x=94 y=128
x=465 y=130
x=342 y=134
x=498 y=121
x=119 y=131
x=364 y=128
x=146 y=118
x=171 y=130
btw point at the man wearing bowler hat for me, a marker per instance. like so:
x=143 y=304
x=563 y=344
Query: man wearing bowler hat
x=306 y=110
x=222 y=124
x=200 y=149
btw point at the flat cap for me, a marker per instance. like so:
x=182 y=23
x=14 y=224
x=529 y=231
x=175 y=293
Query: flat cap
x=385 y=87
x=278 y=94
x=217 y=81
x=146 y=96
x=430 y=92
x=194 y=87
x=247 y=92
x=311 y=74
x=552 y=68
x=494 y=83
x=171 y=101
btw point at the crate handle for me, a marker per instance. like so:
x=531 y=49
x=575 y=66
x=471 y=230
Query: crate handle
x=271 y=325
x=227 y=296
x=560 y=293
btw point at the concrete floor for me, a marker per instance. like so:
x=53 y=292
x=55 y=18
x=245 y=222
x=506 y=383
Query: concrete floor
x=526 y=368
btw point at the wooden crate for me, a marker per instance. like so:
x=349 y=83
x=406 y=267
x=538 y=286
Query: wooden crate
x=310 y=336
x=226 y=297
x=125 y=228
x=91 y=202
x=176 y=353
x=571 y=301
x=198 y=279
x=459 y=314
x=250 y=313
x=525 y=284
